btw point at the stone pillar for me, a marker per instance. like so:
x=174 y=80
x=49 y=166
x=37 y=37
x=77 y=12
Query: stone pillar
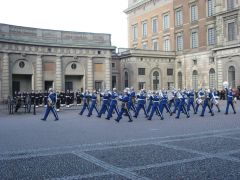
x=58 y=80
x=5 y=77
x=108 y=73
x=39 y=73
x=219 y=73
x=90 y=74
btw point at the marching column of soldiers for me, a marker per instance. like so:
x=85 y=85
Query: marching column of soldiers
x=130 y=103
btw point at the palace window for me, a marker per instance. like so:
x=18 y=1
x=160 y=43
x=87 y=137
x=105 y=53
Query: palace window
x=166 y=22
x=231 y=76
x=194 y=12
x=126 y=79
x=194 y=39
x=135 y=33
x=155 y=80
x=155 y=45
x=179 y=17
x=212 y=78
x=179 y=42
x=210 y=4
x=231 y=31
x=211 y=36
x=141 y=71
x=144 y=29
x=154 y=25
x=230 y=4
x=166 y=44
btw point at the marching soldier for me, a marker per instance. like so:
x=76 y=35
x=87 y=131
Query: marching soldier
x=190 y=102
x=199 y=100
x=131 y=102
x=164 y=103
x=104 y=108
x=85 y=102
x=93 y=97
x=150 y=99
x=214 y=99
x=125 y=107
x=181 y=106
x=206 y=104
x=51 y=100
x=229 y=100
x=155 y=106
x=113 y=104
x=141 y=103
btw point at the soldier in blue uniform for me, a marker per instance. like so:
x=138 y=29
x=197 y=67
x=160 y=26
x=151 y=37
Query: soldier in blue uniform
x=181 y=106
x=51 y=101
x=214 y=99
x=176 y=101
x=85 y=102
x=229 y=100
x=93 y=97
x=141 y=103
x=105 y=102
x=164 y=103
x=113 y=104
x=190 y=101
x=206 y=103
x=201 y=95
x=131 y=101
x=155 y=106
x=124 y=107
x=150 y=99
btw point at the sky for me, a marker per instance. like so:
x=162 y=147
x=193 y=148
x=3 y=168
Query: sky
x=97 y=16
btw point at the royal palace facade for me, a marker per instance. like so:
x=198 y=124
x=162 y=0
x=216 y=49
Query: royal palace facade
x=172 y=43
x=185 y=43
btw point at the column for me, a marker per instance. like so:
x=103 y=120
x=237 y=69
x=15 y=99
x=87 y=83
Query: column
x=108 y=73
x=219 y=73
x=90 y=74
x=58 y=81
x=5 y=77
x=39 y=73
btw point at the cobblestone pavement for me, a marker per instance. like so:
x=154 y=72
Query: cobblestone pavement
x=78 y=147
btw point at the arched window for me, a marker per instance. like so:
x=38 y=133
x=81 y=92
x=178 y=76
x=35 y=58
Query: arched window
x=179 y=80
x=231 y=76
x=212 y=78
x=195 y=80
x=126 y=79
x=155 y=79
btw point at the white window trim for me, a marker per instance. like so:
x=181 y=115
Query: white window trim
x=155 y=18
x=144 y=36
x=193 y=4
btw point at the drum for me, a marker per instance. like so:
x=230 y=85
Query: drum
x=199 y=101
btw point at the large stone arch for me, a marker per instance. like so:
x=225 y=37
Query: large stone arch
x=74 y=76
x=153 y=78
x=22 y=72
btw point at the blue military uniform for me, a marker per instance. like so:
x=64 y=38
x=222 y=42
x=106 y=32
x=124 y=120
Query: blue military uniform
x=190 y=102
x=164 y=104
x=181 y=106
x=132 y=96
x=113 y=105
x=229 y=100
x=93 y=104
x=124 y=108
x=150 y=99
x=206 y=104
x=85 y=97
x=201 y=94
x=105 y=104
x=155 y=107
x=50 y=106
x=141 y=104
